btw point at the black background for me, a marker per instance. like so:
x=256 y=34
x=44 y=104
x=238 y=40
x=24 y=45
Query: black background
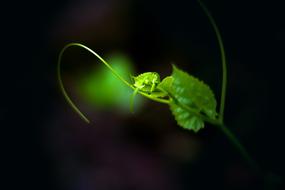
x=254 y=36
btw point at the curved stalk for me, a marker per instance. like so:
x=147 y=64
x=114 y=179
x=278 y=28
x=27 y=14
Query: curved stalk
x=223 y=58
x=239 y=147
x=68 y=99
x=220 y=124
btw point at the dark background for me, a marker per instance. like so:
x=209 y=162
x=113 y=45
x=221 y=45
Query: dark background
x=153 y=33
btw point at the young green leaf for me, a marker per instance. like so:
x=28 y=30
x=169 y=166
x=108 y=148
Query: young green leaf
x=195 y=95
x=147 y=82
x=161 y=89
x=166 y=84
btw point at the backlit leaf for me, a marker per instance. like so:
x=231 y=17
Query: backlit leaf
x=193 y=93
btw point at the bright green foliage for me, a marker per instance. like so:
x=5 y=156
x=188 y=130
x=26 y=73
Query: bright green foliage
x=161 y=91
x=188 y=91
x=146 y=82
x=166 y=84
x=191 y=101
x=186 y=119
x=193 y=93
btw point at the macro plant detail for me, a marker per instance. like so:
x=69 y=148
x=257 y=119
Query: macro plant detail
x=146 y=82
x=191 y=101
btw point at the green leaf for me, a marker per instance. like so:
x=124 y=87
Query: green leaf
x=193 y=93
x=186 y=119
x=166 y=84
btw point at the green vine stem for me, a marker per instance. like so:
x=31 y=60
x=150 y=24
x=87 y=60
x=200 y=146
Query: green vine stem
x=223 y=58
x=68 y=99
x=220 y=122
x=239 y=147
x=217 y=122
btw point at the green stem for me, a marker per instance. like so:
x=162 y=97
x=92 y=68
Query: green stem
x=160 y=100
x=223 y=58
x=133 y=99
x=220 y=124
x=70 y=102
x=234 y=140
